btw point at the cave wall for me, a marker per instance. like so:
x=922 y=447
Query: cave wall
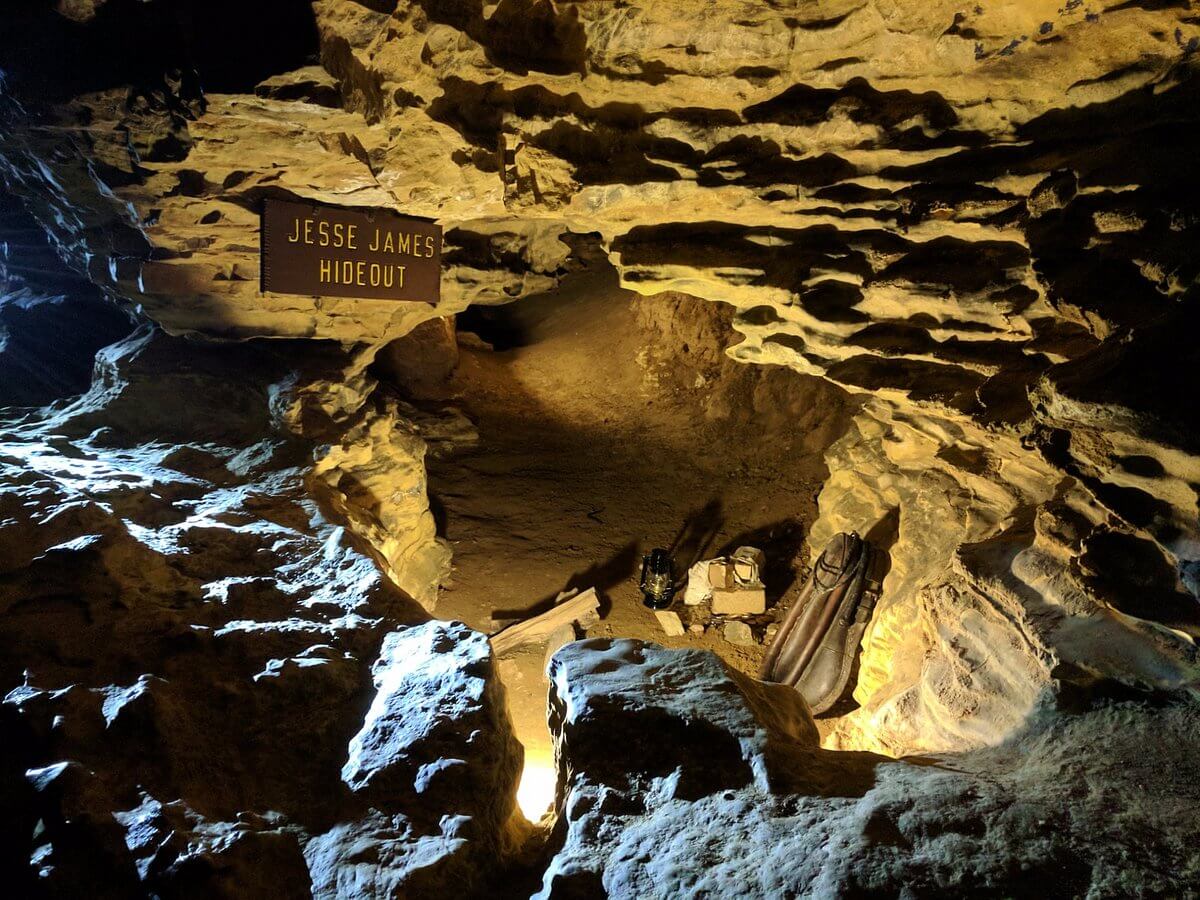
x=982 y=218
x=52 y=320
x=211 y=687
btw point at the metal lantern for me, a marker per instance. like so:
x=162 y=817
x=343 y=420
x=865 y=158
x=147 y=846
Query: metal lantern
x=658 y=579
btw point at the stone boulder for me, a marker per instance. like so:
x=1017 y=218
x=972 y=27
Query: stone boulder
x=679 y=777
x=435 y=766
x=439 y=671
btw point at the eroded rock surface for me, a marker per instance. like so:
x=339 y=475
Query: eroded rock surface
x=52 y=320
x=982 y=217
x=438 y=764
x=979 y=219
x=188 y=642
x=679 y=777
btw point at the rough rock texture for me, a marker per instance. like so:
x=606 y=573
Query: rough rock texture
x=52 y=320
x=187 y=640
x=437 y=761
x=431 y=687
x=982 y=216
x=886 y=180
x=680 y=778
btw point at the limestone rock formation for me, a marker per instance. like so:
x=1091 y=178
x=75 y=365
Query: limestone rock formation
x=715 y=785
x=431 y=688
x=437 y=762
x=979 y=220
x=978 y=216
x=52 y=321
x=191 y=637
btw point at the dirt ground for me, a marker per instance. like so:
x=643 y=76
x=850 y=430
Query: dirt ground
x=610 y=424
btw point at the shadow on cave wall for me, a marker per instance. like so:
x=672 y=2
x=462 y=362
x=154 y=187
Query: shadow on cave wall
x=221 y=46
x=52 y=321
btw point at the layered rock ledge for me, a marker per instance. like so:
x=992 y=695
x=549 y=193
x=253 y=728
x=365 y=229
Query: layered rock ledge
x=981 y=218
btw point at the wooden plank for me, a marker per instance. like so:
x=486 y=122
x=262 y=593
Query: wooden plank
x=541 y=626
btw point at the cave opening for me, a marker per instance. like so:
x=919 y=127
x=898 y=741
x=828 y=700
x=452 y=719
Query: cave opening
x=608 y=423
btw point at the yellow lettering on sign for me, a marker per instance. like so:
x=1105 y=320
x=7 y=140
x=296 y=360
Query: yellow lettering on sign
x=359 y=273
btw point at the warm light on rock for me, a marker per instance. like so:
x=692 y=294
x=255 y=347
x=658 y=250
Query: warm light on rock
x=314 y=530
x=535 y=794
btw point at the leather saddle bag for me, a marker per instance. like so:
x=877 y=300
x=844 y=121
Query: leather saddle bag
x=816 y=648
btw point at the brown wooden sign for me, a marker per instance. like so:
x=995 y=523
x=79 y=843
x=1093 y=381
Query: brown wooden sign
x=329 y=251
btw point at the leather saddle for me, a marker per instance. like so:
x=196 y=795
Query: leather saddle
x=816 y=648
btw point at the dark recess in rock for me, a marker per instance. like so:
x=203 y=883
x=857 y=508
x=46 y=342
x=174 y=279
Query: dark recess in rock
x=125 y=43
x=52 y=321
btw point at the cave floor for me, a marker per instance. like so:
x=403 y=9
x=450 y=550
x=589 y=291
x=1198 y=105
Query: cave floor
x=609 y=424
